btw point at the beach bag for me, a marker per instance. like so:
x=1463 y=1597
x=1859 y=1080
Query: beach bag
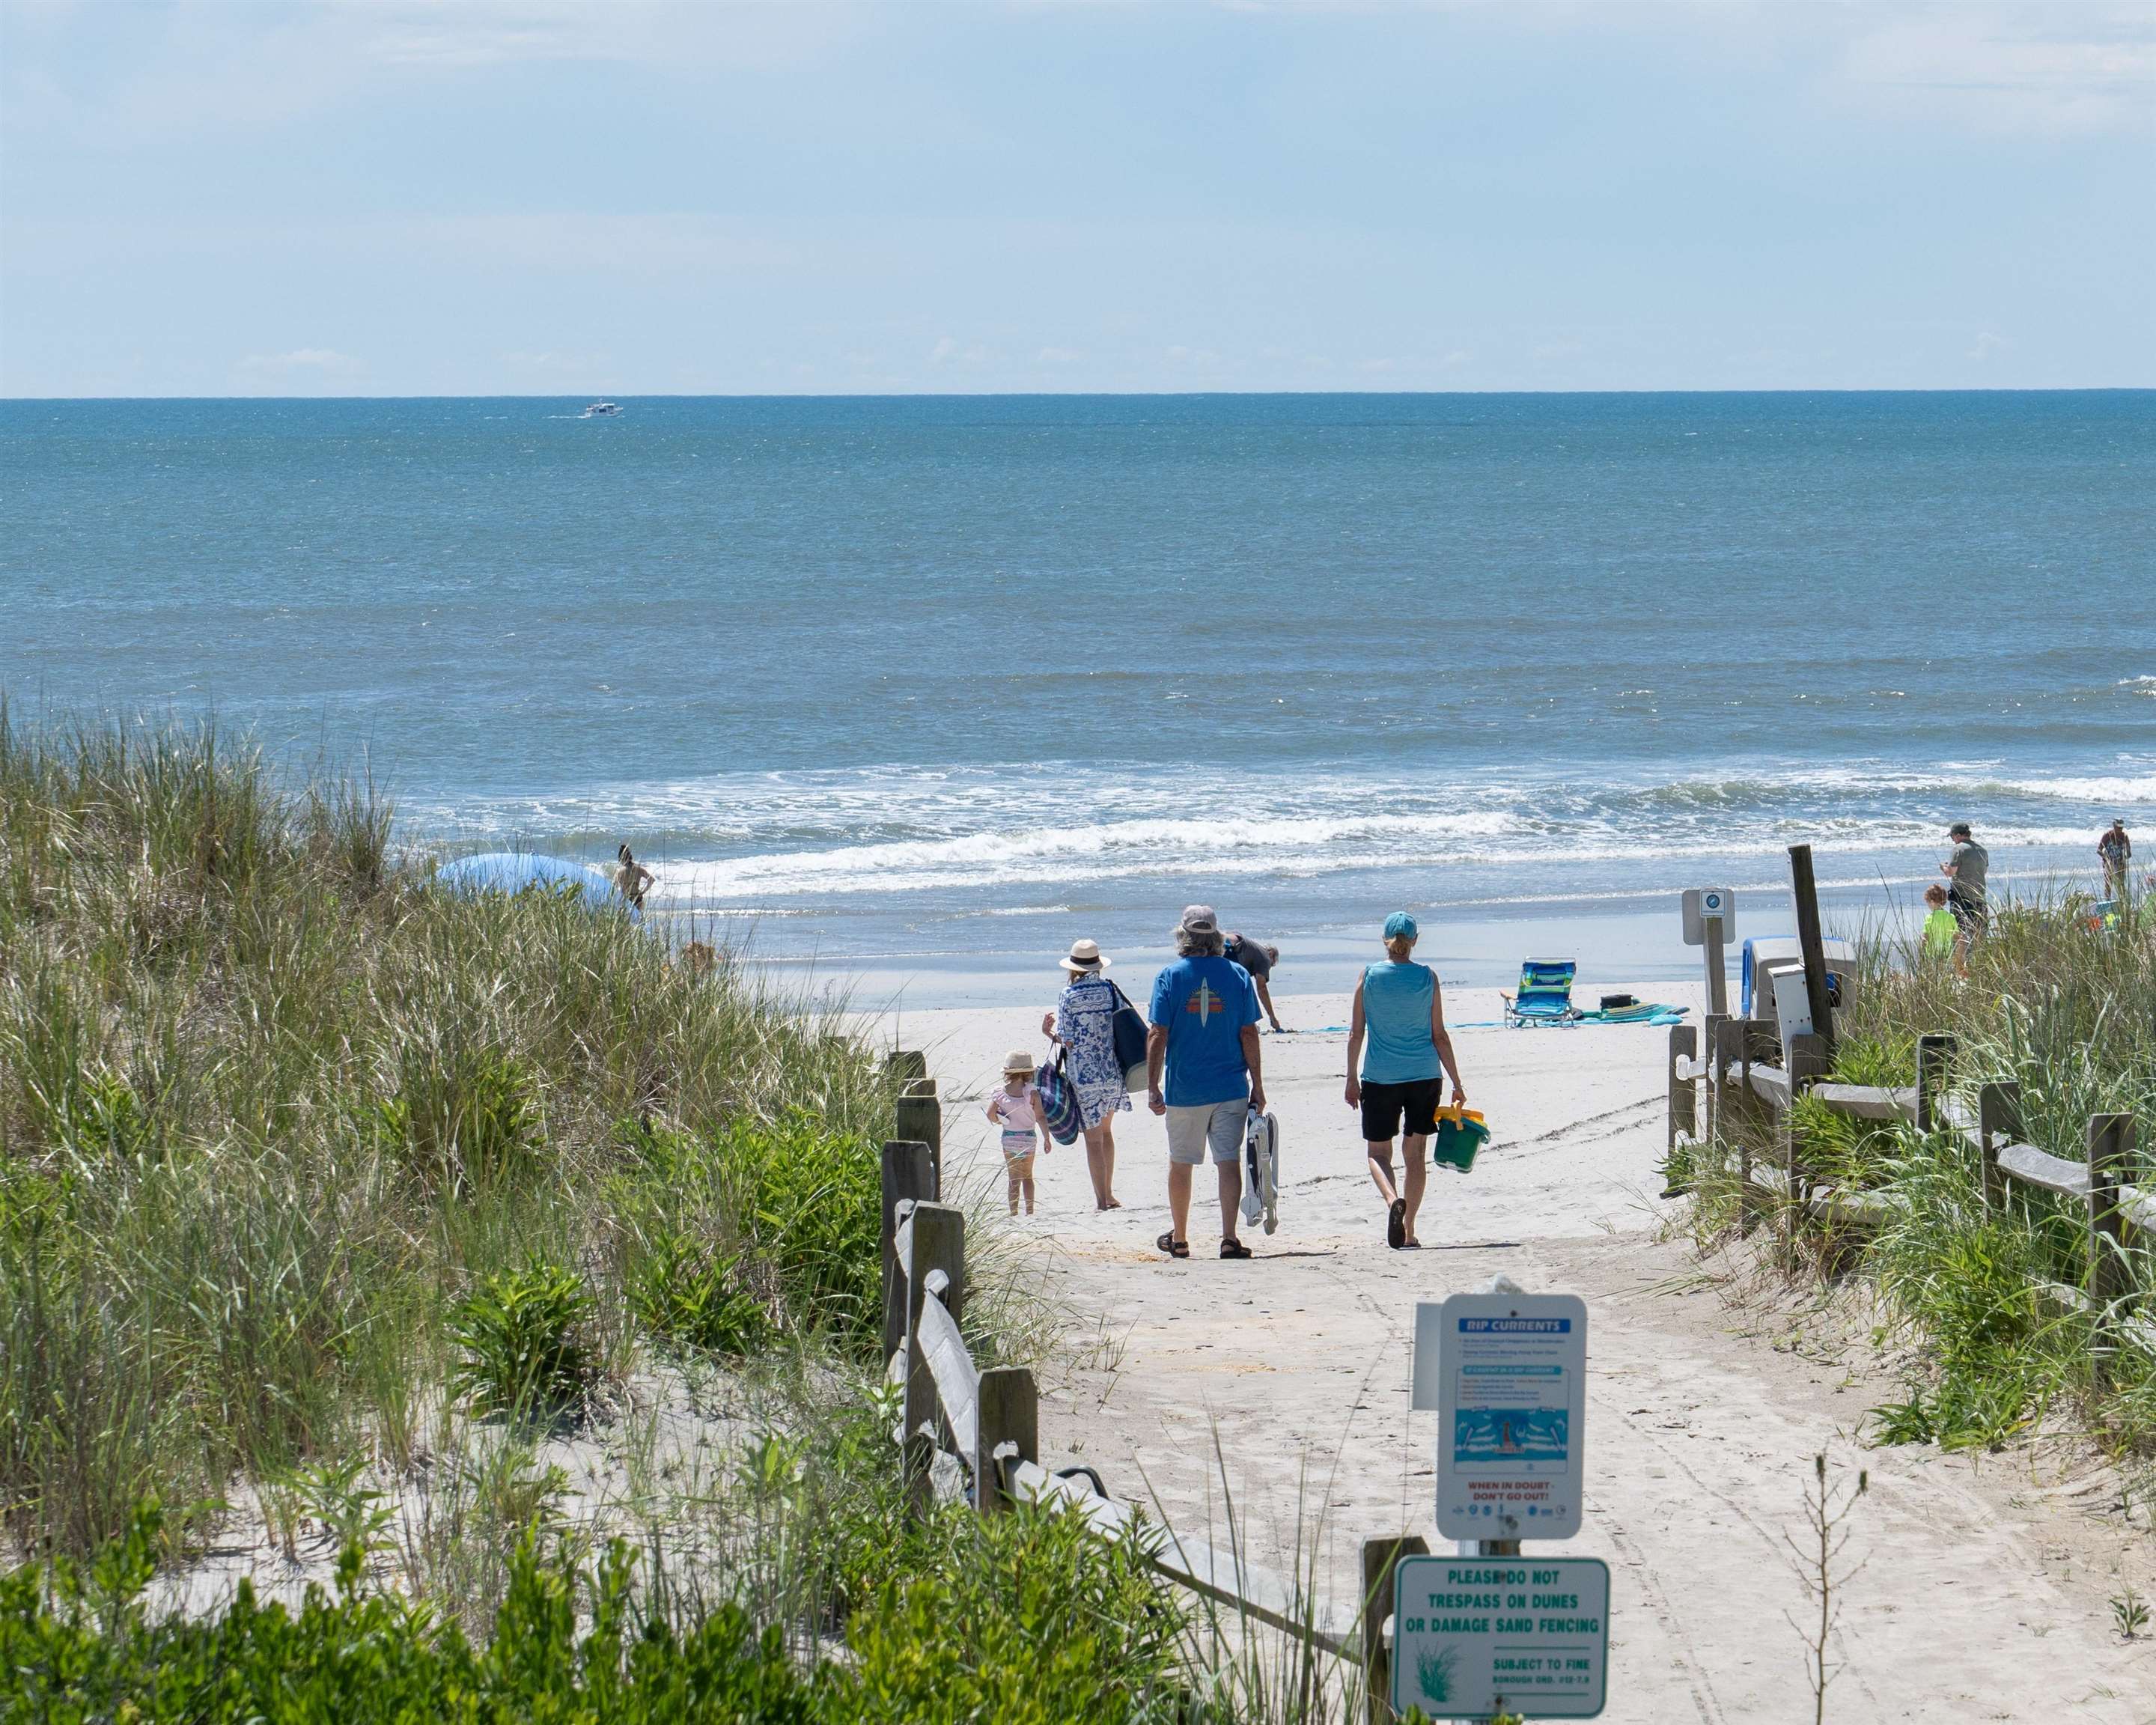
x=1059 y=1100
x=1128 y=1028
x=1460 y=1133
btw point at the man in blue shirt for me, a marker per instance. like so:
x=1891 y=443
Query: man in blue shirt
x=1204 y=1035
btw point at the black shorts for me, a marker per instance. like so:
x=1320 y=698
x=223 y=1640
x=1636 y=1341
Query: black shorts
x=1384 y=1105
x=1968 y=912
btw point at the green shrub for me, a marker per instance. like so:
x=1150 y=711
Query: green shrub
x=80 y=1648
x=808 y=1202
x=518 y=1336
x=694 y=1294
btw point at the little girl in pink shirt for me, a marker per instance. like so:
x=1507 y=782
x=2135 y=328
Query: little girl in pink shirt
x=1016 y=1108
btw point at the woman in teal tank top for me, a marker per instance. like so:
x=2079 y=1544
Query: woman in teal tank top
x=1398 y=1049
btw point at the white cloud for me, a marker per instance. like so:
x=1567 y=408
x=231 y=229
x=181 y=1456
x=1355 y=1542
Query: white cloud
x=1059 y=356
x=2064 y=69
x=950 y=351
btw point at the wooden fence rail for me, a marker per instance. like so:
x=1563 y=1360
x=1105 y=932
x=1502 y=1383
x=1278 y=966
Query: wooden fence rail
x=1710 y=1096
x=970 y=1434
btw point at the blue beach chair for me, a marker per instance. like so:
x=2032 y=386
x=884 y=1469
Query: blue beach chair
x=1545 y=996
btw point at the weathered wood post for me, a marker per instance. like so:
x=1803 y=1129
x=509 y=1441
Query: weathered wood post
x=1380 y=1558
x=1009 y=1414
x=907 y=1178
x=2110 y=1158
x=907 y=1064
x=1804 y=1059
x=1934 y=1061
x=920 y=1117
x=937 y=1235
x=1998 y=1124
x=1716 y=1039
x=1810 y=943
x=1684 y=1116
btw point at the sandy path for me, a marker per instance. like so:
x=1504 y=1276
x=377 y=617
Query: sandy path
x=1984 y=1592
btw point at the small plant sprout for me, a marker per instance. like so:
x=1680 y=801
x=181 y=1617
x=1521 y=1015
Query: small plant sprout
x=2129 y=1611
x=1817 y=1556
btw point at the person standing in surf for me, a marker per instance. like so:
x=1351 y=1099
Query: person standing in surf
x=1400 y=1009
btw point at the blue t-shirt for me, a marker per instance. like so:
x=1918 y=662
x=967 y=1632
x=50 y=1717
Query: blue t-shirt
x=1202 y=1003
x=1397 y=1048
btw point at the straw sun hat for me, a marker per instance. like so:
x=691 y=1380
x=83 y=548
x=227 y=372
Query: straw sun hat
x=1085 y=956
x=1018 y=1060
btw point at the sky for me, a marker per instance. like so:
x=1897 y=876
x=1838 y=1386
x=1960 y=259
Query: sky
x=609 y=198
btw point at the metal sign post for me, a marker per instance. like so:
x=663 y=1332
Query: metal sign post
x=1710 y=919
x=1490 y=1630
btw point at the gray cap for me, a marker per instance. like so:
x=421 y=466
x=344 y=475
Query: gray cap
x=1199 y=919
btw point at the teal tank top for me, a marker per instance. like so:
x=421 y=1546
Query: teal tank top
x=1397 y=1048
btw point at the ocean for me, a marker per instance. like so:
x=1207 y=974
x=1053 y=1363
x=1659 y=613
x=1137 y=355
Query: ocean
x=925 y=687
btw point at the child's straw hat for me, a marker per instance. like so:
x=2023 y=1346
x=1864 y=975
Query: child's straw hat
x=1018 y=1060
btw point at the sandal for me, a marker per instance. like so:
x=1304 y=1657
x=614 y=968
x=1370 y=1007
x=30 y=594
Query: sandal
x=1396 y=1223
x=1173 y=1247
x=1235 y=1249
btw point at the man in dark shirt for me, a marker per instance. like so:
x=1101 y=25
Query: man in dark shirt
x=1259 y=961
x=2116 y=850
x=1966 y=896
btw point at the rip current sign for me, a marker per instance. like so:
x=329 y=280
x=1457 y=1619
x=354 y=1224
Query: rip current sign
x=1507 y=1374
x=1475 y=1637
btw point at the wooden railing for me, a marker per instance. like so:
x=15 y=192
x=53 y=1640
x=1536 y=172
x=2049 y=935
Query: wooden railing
x=1746 y=1077
x=970 y=1434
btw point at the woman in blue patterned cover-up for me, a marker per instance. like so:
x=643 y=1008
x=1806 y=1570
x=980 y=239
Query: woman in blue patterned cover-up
x=1084 y=1023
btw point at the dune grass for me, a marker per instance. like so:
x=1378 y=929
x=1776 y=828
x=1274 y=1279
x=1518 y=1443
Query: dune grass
x=273 y=1112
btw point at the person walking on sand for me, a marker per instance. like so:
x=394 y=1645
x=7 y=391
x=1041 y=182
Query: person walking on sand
x=1966 y=896
x=2116 y=850
x=1016 y=1108
x=1083 y=1022
x=631 y=879
x=1399 y=1007
x=1259 y=960
x=1203 y=1040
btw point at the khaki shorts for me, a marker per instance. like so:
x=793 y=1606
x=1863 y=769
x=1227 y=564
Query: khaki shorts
x=1219 y=1124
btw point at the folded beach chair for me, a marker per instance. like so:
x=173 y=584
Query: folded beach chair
x=1545 y=996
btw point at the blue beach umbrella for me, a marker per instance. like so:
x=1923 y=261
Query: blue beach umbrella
x=517 y=871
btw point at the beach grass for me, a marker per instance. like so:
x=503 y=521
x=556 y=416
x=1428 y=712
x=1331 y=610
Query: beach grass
x=274 y=1113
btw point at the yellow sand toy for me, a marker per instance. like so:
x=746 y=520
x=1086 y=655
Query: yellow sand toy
x=1460 y=1133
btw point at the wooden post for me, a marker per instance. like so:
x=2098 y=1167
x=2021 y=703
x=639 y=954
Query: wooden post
x=920 y=1117
x=939 y=1243
x=1934 y=1060
x=1998 y=1124
x=1380 y=1558
x=1718 y=969
x=905 y=1177
x=906 y=1064
x=1684 y=1118
x=1010 y=1413
x=2110 y=1159
x=1715 y=1039
x=1805 y=1060
x=1810 y=942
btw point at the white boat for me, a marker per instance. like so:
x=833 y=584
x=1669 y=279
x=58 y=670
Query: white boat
x=600 y=410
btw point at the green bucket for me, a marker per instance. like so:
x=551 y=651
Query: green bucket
x=1460 y=1133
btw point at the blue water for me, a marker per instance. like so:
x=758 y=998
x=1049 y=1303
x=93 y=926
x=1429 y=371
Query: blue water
x=955 y=678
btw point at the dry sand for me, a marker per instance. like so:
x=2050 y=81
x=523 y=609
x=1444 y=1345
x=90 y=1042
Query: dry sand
x=1985 y=1589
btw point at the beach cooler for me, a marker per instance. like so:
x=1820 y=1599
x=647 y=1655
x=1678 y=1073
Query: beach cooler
x=1460 y=1133
x=1762 y=954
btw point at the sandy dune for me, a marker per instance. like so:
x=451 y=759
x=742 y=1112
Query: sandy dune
x=1984 y=1592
